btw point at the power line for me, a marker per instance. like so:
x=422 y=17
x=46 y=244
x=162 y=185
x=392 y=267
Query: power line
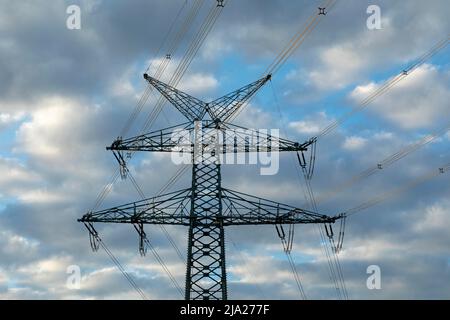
x=154 y=251
x=182 y=67
x=338 y=282
x=245 y=262
x=133 y=116
x=287 y=245
x=97 y=240
x=163 y=265
x=385 y=87
x=386 y=162
x=154 y=113
x=148 y=88
x=162 y=66
x=293 y=44
x=389 y=195
x=341 y=287
x=196 y=43
x=172 y=242
x=298 y=39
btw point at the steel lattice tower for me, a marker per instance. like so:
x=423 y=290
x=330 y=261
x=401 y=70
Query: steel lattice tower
x=206 y=207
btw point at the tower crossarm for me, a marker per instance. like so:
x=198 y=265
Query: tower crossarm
x=254 y=140
x=191 y=107
x=238 y=209
x=170 y=208
x=243 y=209
x=230 y=138
x=224 y=107
x=164 y=140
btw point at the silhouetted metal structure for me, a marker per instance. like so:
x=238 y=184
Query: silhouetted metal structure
x=206 y=207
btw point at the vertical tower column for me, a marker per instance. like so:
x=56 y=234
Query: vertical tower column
x=206 y=275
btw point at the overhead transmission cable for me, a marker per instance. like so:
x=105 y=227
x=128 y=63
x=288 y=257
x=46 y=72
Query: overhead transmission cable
x=332 y=272
x=382 y=90
x=407 y=150
x=133 y=116
x=287 y=244
x=185 y=63
x=116 y=261
x=188 y=21
x=174 y=44
x=154 y=251
x=391 y=194
x=204 y=30
x=298 y=39
x=385 y=87
x=161 y=67
x=342 y=289
x=193 y=49
x=122 y=269
x=294 y=43
x=245 y=262
x=164 y=230
x=362 y=105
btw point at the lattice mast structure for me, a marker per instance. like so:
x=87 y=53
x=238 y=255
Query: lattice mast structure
x=206 y=207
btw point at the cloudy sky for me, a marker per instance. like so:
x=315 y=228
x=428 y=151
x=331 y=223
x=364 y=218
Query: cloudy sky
x=66 y=94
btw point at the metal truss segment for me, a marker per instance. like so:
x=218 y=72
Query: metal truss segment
x=191 y=107
x=170 y=208
x=223 y=108
x=230 y=139
x=244 y=209
x=205 y=274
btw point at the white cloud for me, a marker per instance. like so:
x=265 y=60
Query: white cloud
x=436 y=218
x=14 y=172
x=260 y=270
x=418 y=101
x=354 y=143
x=16 y=179
x=311 y=125
x=308 y=127
x=60 y=131
x=253 y=116
x=339 y=67
x=16 y=244
x=123 y=86
x=383 y=135
x=42 y=195
x=193 y=83
x=7 y=118
x=198 y=83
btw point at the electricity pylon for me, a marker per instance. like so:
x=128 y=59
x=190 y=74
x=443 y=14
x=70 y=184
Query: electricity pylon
x=206 y=207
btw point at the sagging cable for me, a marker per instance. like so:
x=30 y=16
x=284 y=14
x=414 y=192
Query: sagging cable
x=93 y=236
x=312 y=159
x=142 y=236
x=119 y=157
x=341 y=234
x=329 y=231
x=290 y=240
x=308 y=167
